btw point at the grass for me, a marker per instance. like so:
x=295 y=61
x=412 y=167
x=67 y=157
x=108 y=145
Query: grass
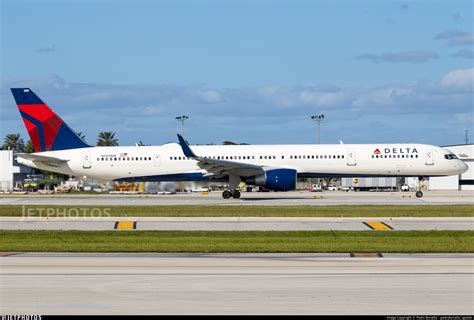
x=252 y=241
x=245 y=211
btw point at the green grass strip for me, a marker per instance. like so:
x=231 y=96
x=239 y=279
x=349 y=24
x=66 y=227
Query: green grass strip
x=217 y=241
x=243 y=211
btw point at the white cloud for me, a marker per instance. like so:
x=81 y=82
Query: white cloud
x=455 y=37
x=414 y=56
x=464 y=54
x=460 y=80
x=147 y=112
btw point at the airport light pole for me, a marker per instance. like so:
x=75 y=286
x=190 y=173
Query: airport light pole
x=182 y=119
x=318 y=118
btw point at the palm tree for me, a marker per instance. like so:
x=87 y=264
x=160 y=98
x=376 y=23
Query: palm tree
x=13 y=141
x=107 y=138
x=29 y=148
x=80 y=135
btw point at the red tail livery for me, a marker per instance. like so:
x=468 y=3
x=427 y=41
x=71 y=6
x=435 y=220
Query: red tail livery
x=47 y=130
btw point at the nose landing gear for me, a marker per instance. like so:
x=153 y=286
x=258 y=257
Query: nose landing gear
x=418 y=193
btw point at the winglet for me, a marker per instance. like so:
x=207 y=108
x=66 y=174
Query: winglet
x=185 y=146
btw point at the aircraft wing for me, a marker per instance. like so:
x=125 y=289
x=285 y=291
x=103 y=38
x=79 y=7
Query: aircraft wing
x=219 y=168
x=40 y=158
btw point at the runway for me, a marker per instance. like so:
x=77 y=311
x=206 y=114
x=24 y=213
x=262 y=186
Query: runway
x=292 y=198
x=48 y=283
x=235 y=223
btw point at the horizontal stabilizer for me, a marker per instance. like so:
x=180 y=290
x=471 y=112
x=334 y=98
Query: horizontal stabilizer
x=40 y=158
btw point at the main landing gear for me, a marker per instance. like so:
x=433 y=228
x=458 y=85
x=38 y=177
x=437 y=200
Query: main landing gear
x=227 y=194
x=234 y=181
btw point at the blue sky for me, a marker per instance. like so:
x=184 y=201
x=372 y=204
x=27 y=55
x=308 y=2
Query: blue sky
x=248 y=71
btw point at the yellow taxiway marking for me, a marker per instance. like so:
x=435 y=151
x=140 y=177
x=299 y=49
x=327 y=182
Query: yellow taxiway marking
x=376 y=225
x=125 y=225
x=366 y=255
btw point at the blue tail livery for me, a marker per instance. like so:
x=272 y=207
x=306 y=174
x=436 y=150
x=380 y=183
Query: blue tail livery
x=48 y=132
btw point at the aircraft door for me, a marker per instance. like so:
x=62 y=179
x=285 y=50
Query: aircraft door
x=157 y=160
x=86 y=161
x=351 y=158
x=429 y=158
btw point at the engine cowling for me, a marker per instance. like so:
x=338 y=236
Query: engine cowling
x=275 y=179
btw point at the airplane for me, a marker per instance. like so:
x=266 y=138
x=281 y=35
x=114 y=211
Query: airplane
x=275 y=167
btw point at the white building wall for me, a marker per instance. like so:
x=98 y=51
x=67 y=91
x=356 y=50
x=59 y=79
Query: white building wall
x=468 y=175
x=465 y=152
x=444 y=183
x=7 y=170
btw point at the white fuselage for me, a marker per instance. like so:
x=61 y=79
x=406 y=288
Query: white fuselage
x=168 y=163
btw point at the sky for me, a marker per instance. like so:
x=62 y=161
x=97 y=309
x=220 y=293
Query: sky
x=246 y=71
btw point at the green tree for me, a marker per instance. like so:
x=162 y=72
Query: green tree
x=13 y=141
x=29 y=148
x=107 y=139
x=141 y=144
x=81 y=135
x=232 y=143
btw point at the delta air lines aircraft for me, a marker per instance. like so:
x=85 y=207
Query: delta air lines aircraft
x=275 y=167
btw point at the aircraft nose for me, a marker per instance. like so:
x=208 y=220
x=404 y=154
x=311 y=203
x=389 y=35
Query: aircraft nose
x=461 y=166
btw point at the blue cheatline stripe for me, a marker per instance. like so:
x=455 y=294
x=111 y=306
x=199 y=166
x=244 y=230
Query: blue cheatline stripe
x=39 y=125
x=195 y=176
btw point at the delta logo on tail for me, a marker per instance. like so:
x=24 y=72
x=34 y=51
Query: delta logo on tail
x=47 y=131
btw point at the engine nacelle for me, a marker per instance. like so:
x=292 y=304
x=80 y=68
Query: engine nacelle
x=275 y=179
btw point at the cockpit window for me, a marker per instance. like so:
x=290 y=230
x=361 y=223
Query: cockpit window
x=450 y=156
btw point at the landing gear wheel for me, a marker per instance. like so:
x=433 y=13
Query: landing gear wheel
x=236 y=194
x=419 y=194
x=226 y=194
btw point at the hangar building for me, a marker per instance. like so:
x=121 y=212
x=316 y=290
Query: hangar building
x=11 y=171
x=464 y=181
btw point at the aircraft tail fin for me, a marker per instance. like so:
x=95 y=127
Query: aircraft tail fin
x=48 y=132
